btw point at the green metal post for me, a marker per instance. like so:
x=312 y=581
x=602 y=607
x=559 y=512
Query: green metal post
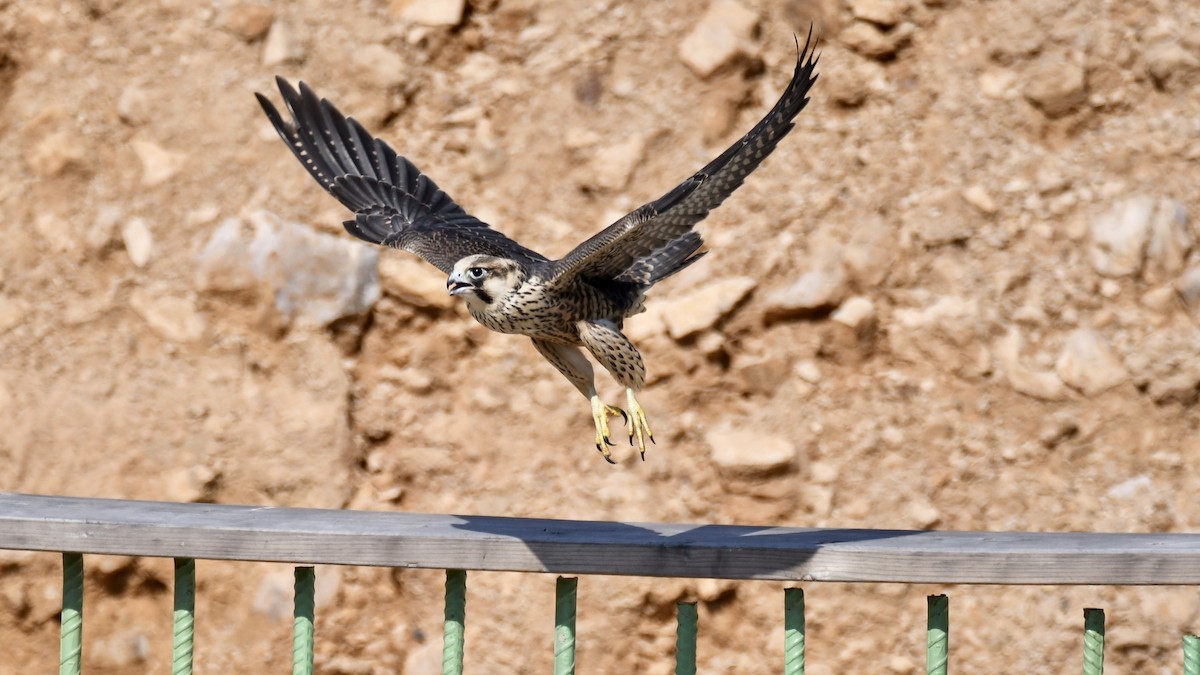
x=185 y=616
x=565 y=591
x=70 y=649
x=793 y=631
x=302 y=621
x=1093 y=642
x=685 y=639
x=1191 y=655
x=454 y=628
x=937 y=639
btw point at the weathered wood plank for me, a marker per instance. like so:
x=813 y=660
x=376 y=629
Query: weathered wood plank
x=315 y=536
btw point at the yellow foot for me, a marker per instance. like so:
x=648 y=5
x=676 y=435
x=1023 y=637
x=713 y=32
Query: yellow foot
x=600 y=415
x=639 y=429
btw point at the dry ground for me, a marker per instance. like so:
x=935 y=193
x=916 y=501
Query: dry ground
x=951 y=174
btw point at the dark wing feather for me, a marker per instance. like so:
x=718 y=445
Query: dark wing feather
x=617 y=250
x=393 y=202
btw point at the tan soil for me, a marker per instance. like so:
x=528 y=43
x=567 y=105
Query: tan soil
x=422 y=410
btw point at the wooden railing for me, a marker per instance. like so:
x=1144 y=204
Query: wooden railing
x=306 y=537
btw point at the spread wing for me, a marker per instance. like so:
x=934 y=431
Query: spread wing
x=393 y=202
x=616 y=251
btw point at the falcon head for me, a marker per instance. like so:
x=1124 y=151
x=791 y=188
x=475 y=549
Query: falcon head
x=484 y=278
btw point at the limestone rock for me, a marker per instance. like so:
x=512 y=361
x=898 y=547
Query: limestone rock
x=872 y=42
x=247 y=21
x=1043 y=385
x=923 y=513
x=719 y=38
x=977 y=196
x=1188 y=287
x=613 y=166
x=133 y=105
x=886 y=13
x=1056 y=85
x=703 y=308
x=1170 y=241
x=12 y=313
x=942 y=217
x=1170 y=64
x=224 y=264
x=815 y=290
x=139 y=243
x=945 y=333
x=56 y=154
x=436 y=13
x=190 y=484
x=1119 y=237
x=158 y=164
x=762 y=375
x=750 y=452
x=282 y=45
x=173 y=318
x=414 y=282
x=381 y=67
x=316 y=278
x=857 y=313
x=1088 y=364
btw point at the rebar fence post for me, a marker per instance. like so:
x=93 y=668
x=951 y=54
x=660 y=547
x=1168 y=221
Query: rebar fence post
x=454 y=628
x=565 y=592
x=1191 y=655
x=1093 y=641
x=793 y=631
x=937 y=639
x=185 y=616
x=685 y=639
x=302 y=621
x=70 y=649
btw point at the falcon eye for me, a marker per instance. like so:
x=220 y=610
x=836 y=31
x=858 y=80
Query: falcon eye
x=476 y=272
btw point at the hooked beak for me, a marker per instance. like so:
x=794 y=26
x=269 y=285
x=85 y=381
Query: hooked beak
x=457 y=285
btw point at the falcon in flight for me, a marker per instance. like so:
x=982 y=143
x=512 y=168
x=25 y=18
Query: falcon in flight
x=579 y=300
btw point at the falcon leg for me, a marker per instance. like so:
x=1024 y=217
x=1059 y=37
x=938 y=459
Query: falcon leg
x=617 y=354
x=600 y=415
x=575 y=367
x=639 y=429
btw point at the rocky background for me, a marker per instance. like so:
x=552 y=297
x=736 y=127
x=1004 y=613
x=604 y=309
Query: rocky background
x=964 y=293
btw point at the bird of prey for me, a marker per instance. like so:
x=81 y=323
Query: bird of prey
x=579 y=300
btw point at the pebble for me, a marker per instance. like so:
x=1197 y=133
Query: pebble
x=1170 y=64
x=434 y=13
x=815 y=290
x=761 y=375
x=946 y=333
x=886 y=13
x=1118 y=237
x=139 y=243
x=703 y=308
x=282 y=45
x=977 y=196
x=1056 y=84
x=1170 y=241
x=744 y=451
x=190 y=484
x=1160 y=299
x=224 y=264
x=720 y=37
x=247 y=21
x=1188 y=287
x=1043 y=385
x=134 y=106
x=158 y=164
x=870 y=41
x=922 y=513
x=424 y=660
x=613 y=166
x=996 y=82
x=174 y=318
x=809 y=371
x=56 y=154
x=379 y=66
x=856 y=312
x=1088 y=364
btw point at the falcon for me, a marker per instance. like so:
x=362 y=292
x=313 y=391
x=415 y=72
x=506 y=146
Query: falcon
x=578 y=301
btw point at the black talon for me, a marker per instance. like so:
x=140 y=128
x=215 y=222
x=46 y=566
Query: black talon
x=643 y=455
x=608 y=442
x=624 y=417
x=609 y=459
x=652 y=441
